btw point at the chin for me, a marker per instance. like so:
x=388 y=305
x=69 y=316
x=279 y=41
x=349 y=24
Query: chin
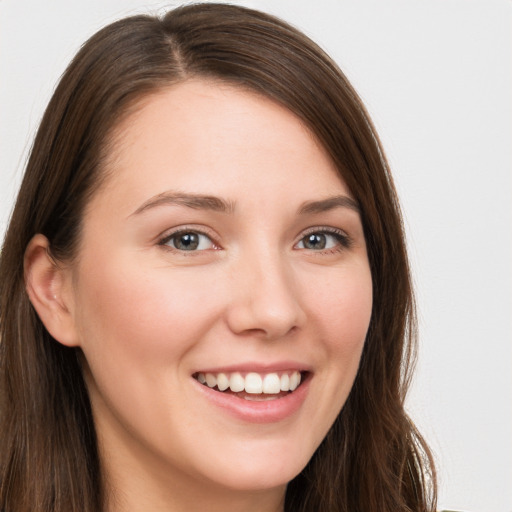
x=265 y=470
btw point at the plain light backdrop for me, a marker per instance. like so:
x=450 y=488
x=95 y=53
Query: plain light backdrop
x=436 y=76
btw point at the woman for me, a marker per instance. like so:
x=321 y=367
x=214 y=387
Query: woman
x=206 y=301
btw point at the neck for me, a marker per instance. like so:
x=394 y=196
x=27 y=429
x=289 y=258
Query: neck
x=135 y=482
x=193 y=500
x=144 y=492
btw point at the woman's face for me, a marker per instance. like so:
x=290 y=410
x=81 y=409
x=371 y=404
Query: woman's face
x=224 y=246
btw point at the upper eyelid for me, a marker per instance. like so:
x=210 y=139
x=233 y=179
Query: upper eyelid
x=323 y=229
x=314 y=229
x=211 y=234
x=169 y=233
x=345 y=239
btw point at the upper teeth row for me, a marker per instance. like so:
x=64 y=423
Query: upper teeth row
x=253 y=383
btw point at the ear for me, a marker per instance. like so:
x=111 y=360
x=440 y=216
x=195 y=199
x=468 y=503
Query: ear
x=49 y=288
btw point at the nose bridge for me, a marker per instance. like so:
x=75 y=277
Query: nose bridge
x=265 y=298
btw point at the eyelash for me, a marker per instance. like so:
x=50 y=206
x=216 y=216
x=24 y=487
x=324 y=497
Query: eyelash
x=186 y=231
x=344 y=241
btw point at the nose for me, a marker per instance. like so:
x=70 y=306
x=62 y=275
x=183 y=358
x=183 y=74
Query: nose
x=265 y=299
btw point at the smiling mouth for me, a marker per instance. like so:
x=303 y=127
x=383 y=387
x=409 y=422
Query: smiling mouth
x=253 y=386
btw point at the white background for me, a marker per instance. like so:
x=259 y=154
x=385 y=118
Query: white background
x=436 y=76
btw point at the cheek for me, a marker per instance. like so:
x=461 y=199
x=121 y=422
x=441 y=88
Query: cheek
x=341 y=309
x=344 y=306
x=138 y=316
x=137 y=328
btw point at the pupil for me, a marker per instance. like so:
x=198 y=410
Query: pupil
x=315 y=241
x=187 y=242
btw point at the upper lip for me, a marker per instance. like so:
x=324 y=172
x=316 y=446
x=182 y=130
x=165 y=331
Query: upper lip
x=262 y=368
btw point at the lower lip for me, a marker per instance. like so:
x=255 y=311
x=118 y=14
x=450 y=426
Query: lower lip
x=253 y=411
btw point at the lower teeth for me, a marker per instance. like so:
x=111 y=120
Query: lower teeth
x=260 y=398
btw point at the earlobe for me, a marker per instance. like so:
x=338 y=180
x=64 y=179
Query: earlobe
x=49 y=289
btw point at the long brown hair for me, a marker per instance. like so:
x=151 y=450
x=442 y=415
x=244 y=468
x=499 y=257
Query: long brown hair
x=373 y=458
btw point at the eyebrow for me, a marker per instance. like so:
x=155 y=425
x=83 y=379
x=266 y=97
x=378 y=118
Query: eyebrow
x=204 y=202
x=329 y=203
x=194 y=201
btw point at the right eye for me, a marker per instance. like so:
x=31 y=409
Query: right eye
x=188 y=241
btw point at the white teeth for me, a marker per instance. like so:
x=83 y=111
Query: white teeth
x=236 y=383
x=285 y=382
x=294 y=381
x=271 y=383
x=222 y=382
x=211 y=380
x=253 y=383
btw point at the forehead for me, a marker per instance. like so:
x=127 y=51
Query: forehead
x=207 y=136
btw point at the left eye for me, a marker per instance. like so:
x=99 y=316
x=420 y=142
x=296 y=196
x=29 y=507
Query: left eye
x=189 y=241
x=319 y=241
